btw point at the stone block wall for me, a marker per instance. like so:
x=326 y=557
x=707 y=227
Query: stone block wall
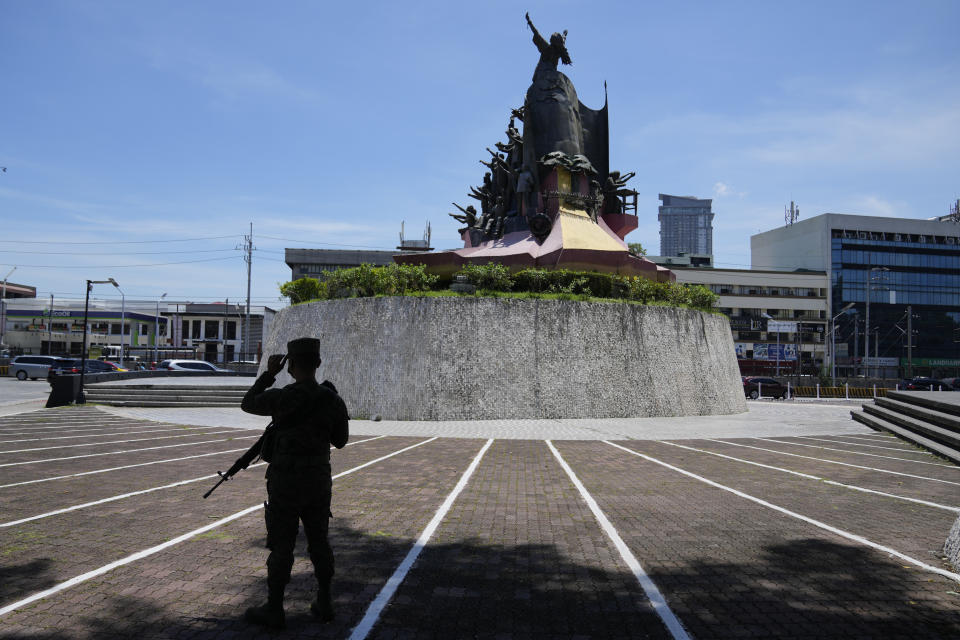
x=408 y=358
x=952 y=548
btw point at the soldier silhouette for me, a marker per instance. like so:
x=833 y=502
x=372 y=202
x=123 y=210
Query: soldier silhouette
x=307 y=418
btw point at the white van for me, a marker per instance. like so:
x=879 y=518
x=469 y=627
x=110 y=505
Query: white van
x=32 y=367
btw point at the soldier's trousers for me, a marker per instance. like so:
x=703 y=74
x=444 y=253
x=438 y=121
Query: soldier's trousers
x=294 y=496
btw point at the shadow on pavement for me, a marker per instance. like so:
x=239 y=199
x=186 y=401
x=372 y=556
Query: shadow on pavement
x=17 y=578
x=475 y=589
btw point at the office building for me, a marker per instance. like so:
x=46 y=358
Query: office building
x=778 y=318
x=311 y=263
x=686 y=225
x=908 y=269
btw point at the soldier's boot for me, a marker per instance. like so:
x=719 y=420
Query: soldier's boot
x=322 y=606
x=271 y=613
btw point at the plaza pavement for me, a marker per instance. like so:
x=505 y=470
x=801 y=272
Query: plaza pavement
x=790 y=521
x=764 y=418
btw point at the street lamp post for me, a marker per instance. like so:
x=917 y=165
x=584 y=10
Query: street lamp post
x=769 y=318
x=81 y=399
x=156 y=333
x=123 y=316
x=866 y=345
x=3 y=305
x=833 y=342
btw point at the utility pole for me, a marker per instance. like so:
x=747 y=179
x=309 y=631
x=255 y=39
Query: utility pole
x=856 y=344
x=3 y=305
x=248 y=258
x=50 y=329
x=909 y=341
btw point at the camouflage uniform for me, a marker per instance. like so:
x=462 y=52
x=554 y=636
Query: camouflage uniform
x=308 y=417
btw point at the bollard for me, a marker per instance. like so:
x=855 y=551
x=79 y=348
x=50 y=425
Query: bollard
x=759 y=391
x=789 y=395
x=874 y=391
x=846 y=390
x=818 y=391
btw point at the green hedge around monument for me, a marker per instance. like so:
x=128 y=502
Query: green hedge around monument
x=496 y=280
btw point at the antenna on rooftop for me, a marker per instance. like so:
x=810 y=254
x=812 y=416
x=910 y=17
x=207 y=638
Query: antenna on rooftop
x=415 y=245
x=954 y=215
x=791 y=214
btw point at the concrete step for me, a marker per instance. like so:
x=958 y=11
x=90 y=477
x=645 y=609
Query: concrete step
x=161 y=403
x=111 y=399
x=921 y=412
x=943 y=401
x=152 y=393
x=171 y=387
x=946 y=436
x=880 y=424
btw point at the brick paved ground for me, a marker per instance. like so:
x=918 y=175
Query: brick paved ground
x=519 y=553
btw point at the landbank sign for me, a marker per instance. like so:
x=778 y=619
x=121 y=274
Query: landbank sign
x=932 y=362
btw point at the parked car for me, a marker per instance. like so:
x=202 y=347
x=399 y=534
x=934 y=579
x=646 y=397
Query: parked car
x=32 y=367
x=190 y=365
x=66 y=366
x=953 y=382
x=754 y=387
x=114 y=366
x=925 y=384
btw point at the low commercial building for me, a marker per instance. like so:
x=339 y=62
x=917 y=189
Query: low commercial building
x=778 y=318
x=215 y=331
x=32 y=326
x=212 y=332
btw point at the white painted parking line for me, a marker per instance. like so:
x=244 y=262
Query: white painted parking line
x=114 y=453
x=170 y=543
x=182 y=430
x=139 y=493
x=858 y=438
x=845 y=464
x=39 y=431
x=97 y=444
x=649 y=587
x=813 y=477
x=393 y=582
x=822 y=525
x=63 y=425
x=860 y=444
x=861 y=453
x=128 y=466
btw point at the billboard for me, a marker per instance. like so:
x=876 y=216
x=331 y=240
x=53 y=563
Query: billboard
x=766 y=351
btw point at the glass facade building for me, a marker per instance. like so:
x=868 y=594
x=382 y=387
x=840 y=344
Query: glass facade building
x=686 y=225
x=909 y=269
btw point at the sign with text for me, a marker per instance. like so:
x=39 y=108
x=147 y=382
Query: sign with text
x=766 y=351
x=781 y=326
x=881 y=362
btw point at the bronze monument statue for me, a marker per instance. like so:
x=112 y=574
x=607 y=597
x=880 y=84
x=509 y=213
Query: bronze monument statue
x=548 y=197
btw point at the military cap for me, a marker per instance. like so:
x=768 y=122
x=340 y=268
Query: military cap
x=303 y=347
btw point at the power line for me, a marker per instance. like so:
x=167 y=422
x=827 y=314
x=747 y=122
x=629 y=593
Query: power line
x=112 y=242
x=120 y=253
x=114 y=266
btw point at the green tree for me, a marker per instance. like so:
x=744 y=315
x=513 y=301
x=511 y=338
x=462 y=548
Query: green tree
x=636 y=249
x=303 y=290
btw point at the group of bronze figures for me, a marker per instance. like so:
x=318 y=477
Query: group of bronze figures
x=558 y=131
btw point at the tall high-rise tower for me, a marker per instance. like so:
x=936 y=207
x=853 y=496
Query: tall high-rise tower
x=686 y=225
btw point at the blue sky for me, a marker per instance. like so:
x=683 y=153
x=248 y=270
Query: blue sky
x=327 y=124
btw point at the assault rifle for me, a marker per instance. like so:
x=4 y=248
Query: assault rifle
x=242 y=462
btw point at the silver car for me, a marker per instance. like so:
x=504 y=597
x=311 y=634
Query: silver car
x=32 y=367
x=190 y=365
